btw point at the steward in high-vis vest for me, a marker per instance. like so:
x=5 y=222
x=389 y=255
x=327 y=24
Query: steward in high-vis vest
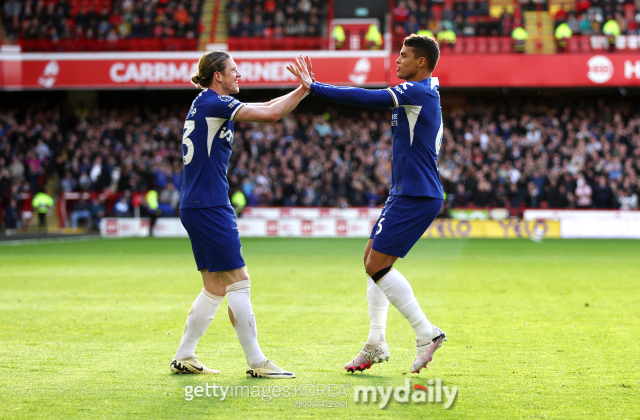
x=520 y=36
x=42 y=203
x=338 y=36
x=373 y=37
x=563 y=32
x=153 y=209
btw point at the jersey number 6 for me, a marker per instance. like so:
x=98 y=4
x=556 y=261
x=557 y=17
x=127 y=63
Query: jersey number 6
x=189 y=125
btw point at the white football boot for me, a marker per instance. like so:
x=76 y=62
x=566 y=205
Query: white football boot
x=426 y=348
x=268 y=369
x=366 y=358
x=191 y=365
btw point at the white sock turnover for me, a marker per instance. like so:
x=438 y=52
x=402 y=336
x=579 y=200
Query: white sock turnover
x=400 y=294
x=244 y=321
x=200 y=316
x=378 y=309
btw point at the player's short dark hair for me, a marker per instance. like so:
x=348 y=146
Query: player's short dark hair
x=424 y=46
x=209 y=63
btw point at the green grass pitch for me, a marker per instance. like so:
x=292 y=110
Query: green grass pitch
x=549 y=330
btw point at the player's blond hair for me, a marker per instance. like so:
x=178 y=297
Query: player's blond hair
x=210 y=63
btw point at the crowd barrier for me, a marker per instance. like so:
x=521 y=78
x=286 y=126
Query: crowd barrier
x=336 y=228
x=359 y=222
x=603 y=224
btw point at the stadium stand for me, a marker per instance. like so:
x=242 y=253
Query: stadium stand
x=102 y=25
x=571 y=154
x=468 y=26
x=276 y=25
x=463 y=27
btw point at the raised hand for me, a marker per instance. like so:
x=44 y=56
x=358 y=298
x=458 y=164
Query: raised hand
x=301 y=71
x=307 y=62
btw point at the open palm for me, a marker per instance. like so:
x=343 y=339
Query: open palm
x=303 y=71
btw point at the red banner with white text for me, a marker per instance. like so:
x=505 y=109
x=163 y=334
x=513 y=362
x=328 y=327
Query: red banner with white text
x=518 y=70
x=268 y=70
x=174 y=70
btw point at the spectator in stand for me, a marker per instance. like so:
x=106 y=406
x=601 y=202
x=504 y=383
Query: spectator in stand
x=584 y=24
x=602 y=194
x=411 y=26
x=122 y=208
x=11 y=217
x=5 y=181
x=12 y=10
x=81 y=211
x=492 y=151
x=273 y=19
x=401 y=12
x=126 y=19
x=98 y=211
x=628 y=200
x=171 y=197
x=583 y=192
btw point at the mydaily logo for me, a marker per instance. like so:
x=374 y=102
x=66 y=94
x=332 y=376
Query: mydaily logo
x=418 y=394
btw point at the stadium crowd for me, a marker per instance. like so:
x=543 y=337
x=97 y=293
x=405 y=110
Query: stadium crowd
x=584 y=154
x=276 y=18
x=101 y=20
x=471 y=18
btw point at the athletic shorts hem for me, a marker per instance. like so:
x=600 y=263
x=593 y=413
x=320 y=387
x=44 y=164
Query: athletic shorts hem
x=403 y=221
x=215 y=269
x=215 y=239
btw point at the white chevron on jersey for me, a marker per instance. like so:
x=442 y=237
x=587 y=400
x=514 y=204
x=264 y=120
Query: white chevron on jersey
x=412 y=116
x=213 y=125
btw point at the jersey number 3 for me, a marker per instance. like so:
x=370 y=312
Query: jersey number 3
x=189 y=125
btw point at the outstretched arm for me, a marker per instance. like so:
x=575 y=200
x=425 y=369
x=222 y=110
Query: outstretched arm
x=271 y=102
x=373 y=98
x=378 y=98
x=273 y=112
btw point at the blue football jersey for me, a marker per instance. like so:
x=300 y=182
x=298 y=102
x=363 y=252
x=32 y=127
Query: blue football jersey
x=206 y=146
x=416 y=123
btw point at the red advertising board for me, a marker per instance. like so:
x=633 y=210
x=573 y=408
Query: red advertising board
x=174 y=70
x=356 y=68
x=517 y=70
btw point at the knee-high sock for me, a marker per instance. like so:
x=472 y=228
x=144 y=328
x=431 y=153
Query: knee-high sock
x=378 y=308
x=400 y=294
x=200 y=316
x=244 y=321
